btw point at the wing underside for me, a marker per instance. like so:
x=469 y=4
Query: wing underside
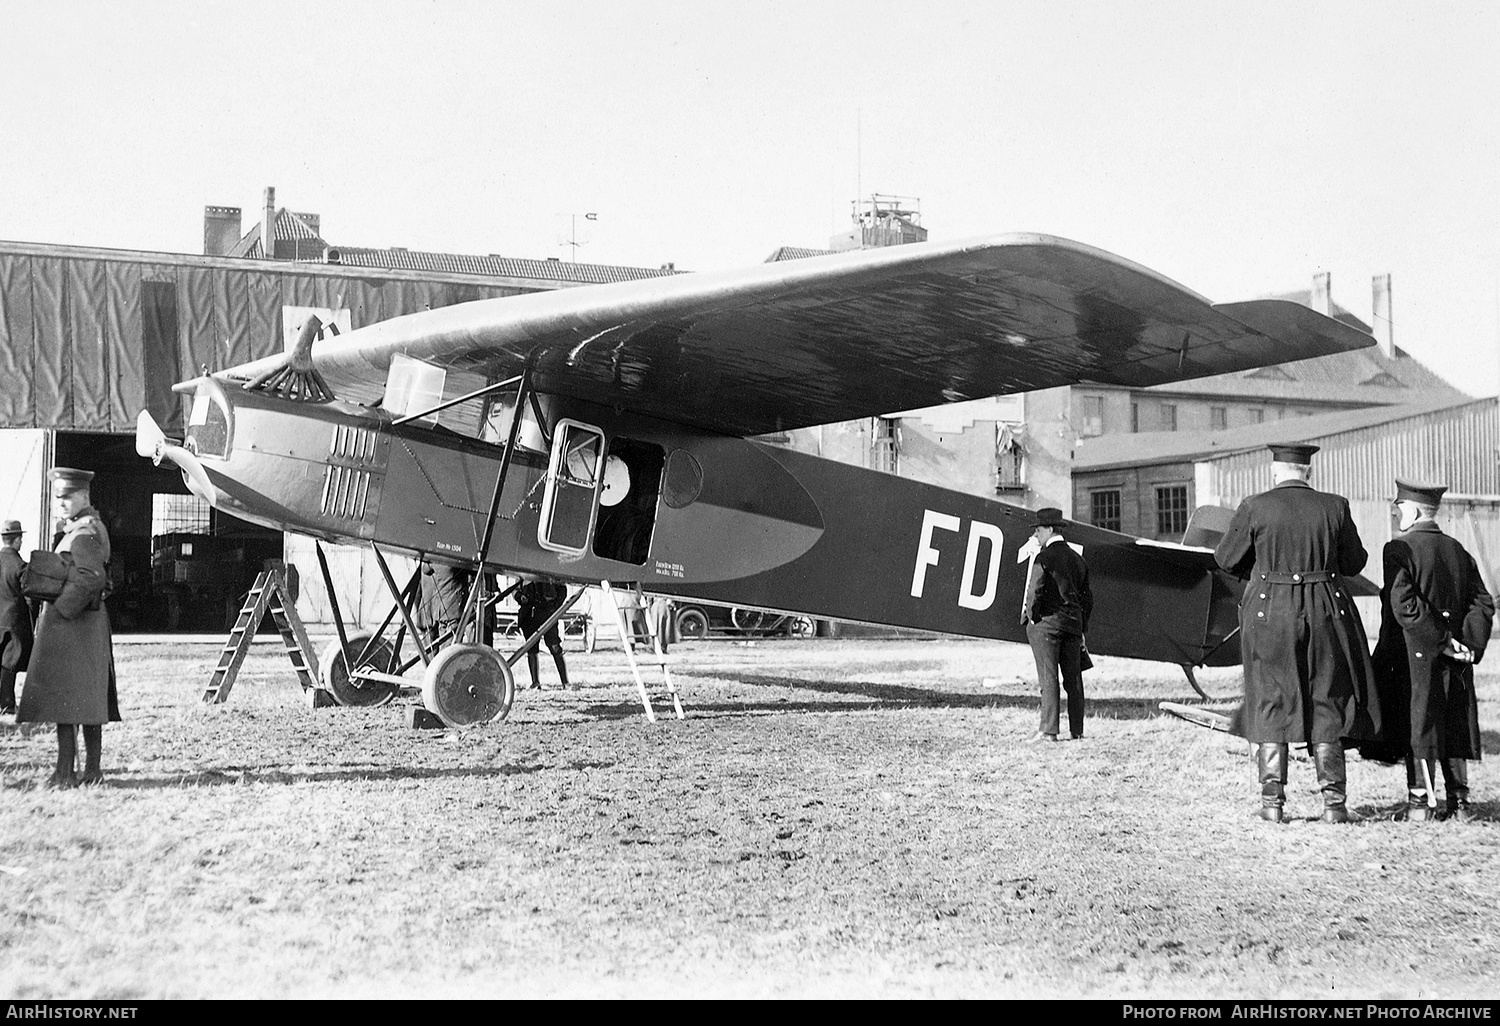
x=834 y=338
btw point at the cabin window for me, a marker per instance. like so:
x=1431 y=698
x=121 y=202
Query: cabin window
x=412 y=387
x=1104 y=509
x=494 y=426
x=573 y=478
x=684 y=479
x=627 y=500
x=208 y=426
x=1171 y=511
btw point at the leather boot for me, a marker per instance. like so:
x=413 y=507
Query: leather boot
x=1270 y=764
x=1456 y=785
x=1328 y=759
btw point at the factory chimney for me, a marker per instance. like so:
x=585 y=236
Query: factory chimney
x=1380 y=315
x=221 y=230
x=268 y=225
x=1322 y=293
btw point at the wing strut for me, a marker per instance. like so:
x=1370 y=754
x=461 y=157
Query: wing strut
x=475 y=601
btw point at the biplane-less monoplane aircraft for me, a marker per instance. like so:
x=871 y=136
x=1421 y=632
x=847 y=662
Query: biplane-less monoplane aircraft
x=614 y=443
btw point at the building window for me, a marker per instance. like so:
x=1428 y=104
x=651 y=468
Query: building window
x=885 y=448
x=1091 y=419
x=1010 y=460
x=1218 y=418
x=1257 y=416
x=1168 y=417
x=178 y=514
x=1171 y=511
x=1104 y=509
x=1135 y=418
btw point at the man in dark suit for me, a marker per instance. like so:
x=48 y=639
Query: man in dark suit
x=1056 y=613
x=1306 y=661
x=15 y=615
x=1435 y=618
x=536 y=601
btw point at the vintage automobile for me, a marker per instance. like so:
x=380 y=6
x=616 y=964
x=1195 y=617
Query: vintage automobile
x=694 y=620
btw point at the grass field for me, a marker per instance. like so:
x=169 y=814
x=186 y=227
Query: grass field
x=833 y=818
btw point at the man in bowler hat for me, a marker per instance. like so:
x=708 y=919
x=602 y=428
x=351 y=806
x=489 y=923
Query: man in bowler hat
x=15 y=615
x=1306 y=661
x=1056 y=611
x=71 y=679
x=1435 y=618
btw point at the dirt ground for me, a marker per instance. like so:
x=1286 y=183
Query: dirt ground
x=833 y=818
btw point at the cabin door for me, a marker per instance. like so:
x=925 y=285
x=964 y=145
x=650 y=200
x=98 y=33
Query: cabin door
x=571 y=499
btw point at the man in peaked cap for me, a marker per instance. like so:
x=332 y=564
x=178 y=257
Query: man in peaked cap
x=15 y=615
x=1435 y=618
x=1056 y=611
x=1306 y=660
x=71 y=679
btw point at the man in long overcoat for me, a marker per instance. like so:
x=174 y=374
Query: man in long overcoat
x=15 y=615
x=71 y=679
x=1435 y=618
x=1306 y=660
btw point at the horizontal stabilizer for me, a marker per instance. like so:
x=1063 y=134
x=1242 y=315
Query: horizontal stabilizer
x=1207 y=525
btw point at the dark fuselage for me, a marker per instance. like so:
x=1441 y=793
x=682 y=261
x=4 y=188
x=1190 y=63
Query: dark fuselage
x=683 y=513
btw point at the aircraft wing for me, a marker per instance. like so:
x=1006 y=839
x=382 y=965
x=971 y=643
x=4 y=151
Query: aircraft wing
x=834 y=338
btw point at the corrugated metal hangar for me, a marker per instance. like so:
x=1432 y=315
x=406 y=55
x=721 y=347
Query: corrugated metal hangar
x=90 y=337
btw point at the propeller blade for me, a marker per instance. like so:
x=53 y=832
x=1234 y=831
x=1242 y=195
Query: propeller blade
x=147 y=435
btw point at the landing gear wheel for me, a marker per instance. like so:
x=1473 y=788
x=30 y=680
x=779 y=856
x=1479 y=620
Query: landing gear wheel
x=692 y=625
x=801 y=627
x=468 y=684
x=334 y=671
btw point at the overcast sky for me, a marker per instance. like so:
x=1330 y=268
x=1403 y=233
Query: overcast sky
x=1237 y=148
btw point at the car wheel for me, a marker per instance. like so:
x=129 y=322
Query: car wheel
x=751 y=621
x=692 y=624
x=801 y=627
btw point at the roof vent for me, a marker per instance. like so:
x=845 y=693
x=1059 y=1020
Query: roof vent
x=332 y=256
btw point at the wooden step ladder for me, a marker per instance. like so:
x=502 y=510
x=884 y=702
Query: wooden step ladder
x=268 y=595
x=627 y=639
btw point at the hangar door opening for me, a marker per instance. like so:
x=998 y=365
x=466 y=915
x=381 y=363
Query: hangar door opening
x=177 y=564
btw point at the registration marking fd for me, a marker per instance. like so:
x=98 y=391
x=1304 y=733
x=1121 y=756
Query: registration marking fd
x=976 y=590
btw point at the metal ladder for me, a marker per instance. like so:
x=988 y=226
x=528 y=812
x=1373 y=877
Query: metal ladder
x=267 y=595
